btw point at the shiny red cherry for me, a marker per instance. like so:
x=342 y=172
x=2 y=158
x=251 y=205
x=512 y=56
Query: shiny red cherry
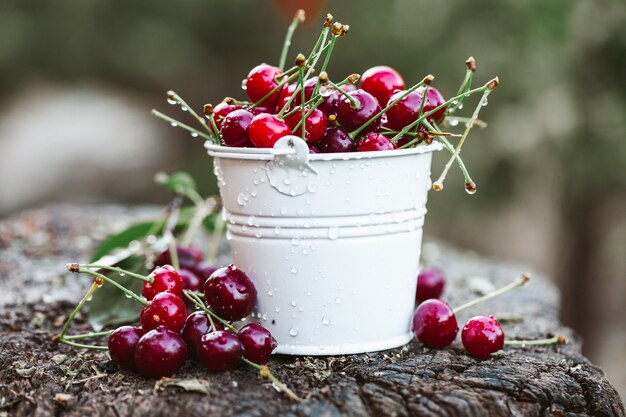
x=220 y=112
x=234 y=130
x=230 y=293
x=219 y=350
x=164 y=278
x=122 y=344
x=434 y=324
x=197 y=325
x=258 y=343
x=329 y=106
x=482 y=336
x=165 y=309
x=430 y=284
x=316 y=124
x=375 y=142
x=405 y=111
x=351 y=118
x=381 y=82
x=434 y=99
x=336 y=140
x=159 y=353
x=266 y=129
x=261 y=80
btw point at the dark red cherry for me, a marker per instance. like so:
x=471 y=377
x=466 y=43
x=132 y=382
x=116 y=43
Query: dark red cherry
x=230 y=293
x=309 y=86
x=266 y=129
x=204 y=270
x=405 y=111
x=258 y=343
x=329 y=106
x=221 y=111
x=430 y=284
x=482 y=336
x=165 y=309
x=336 y=140
x=316 y=124
x=434 y=324
x=191 y=281
x=197 y=325
x=219 y=350
x=367 y=107
x=159 y=353
x=434 y=99
x=313 y=149
x=381 y=82
x=375 y=142
x=165 y=278
x=261 y=80
x=234 y=130
x=188 y=257
x=285 y=94
x=122 y=344
x=403 y=141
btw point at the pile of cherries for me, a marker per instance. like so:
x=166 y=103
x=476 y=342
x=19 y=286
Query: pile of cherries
x=335 y=125
x=168 y=335
x=435 y=325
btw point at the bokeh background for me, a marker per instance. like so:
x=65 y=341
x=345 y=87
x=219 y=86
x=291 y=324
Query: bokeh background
x=77 y=81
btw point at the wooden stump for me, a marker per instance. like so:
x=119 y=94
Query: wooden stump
x=41 y=378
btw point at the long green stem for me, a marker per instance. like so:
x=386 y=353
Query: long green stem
x=198 y=302
x=438 y=185
x=448 y=146
x=77 y=268
x=119 y=271
x=82 y=346
x=297 y=19
x=176 y=123
x=558 y=339
x=518 y=283
x=80 y=305
x=428 y=79
x=88 y=335
x=302 y=99
x=171 y=246
x=274 y=90
x=265 y=372
x=433 y=111
x=172 y=97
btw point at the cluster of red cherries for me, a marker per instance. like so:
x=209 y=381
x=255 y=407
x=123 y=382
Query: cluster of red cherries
x=336 y=124
x=168 y=335
x=435 y=325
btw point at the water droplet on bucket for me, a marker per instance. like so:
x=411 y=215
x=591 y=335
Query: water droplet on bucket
x=294 y=303
x=333 y=233
x=278 y=309
x=337 y=300
x=277 y=230
x=295 y=241
x=229 y=235
x=294 y=270
x=293 y=331
x=251 y=220
x=325 y=321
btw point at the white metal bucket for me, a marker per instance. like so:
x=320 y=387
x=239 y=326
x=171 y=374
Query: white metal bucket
x=331 y=241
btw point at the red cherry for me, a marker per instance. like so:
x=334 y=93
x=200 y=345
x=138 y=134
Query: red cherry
x=367 y=107
x=230 y=293
x=165 y=309
x=220 y=112
x=191 y=281
x=266 y=129
x=313 y=149
x=159 y=353
x=309 y=86
x=188 y=257
x=375 y=142
x=336 y=140
x=197 y=325
x=434 y=99
x=430 y=284
x=329 y=106
x=405 y=111
x=219 y=350
x=434 y=324
x=316 y=124
x=204 y=270
x=261 y=80
x=234 y=130
x=122 y=344
x=258 y=343
x=381 y=82
x=165 y=278
x=482 y=336
x=285 y=94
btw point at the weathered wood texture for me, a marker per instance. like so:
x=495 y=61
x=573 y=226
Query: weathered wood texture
x=37 y=380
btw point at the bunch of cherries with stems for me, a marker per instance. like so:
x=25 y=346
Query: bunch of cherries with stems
x=382 y=114
x=168 y=335
x=435 y=324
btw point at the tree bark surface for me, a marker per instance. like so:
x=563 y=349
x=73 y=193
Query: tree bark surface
x=41 y=378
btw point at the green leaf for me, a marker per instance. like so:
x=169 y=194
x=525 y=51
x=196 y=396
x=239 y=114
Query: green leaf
x=178 y=182
x=122 y=239
x=109 y=305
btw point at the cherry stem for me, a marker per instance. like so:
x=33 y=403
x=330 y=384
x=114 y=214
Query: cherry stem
x=354 y=102
x=518 y=283
x=176 y=123
x=556 y=340
x=438 y=185
x=198 y=302
x=216 y=237
x=201 y=211
x=448 y=146
x=433 y=111
x=77 y=268
x=120 y=271
x=465 y=86
x=302 y=99
x=172 y=98
x=297 y=19
x=331 y=45
x=428 y=79
x=88 y=335
x=265 y=372
x=215 y=131
x=308 y=113
x=171 y=246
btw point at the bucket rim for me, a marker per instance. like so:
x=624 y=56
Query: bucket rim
x=267 y=154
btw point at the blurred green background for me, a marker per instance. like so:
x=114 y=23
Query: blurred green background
x=78 y=79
